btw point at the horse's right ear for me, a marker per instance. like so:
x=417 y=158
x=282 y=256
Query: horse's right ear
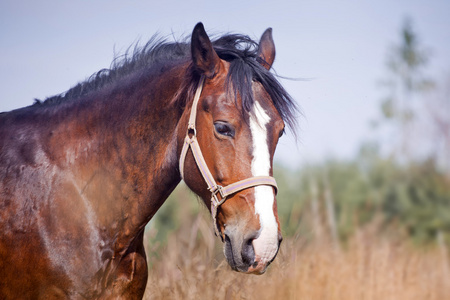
x=204 y=57
x=266 y=50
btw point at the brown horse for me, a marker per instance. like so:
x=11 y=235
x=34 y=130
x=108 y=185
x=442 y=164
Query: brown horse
x=82 y=173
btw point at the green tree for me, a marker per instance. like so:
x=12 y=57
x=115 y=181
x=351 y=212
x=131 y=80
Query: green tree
x=405 y=81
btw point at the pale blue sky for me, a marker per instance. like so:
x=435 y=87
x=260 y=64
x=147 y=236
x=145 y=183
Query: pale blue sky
x=48 y=46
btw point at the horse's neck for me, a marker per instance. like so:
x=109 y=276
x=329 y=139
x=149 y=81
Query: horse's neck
x=126 y=163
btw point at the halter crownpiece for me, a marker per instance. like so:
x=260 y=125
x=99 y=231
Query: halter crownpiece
x=218 y=193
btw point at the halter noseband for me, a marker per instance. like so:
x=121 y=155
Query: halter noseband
x=216 y=190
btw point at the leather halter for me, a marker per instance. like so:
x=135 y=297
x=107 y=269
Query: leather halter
x=218 y=193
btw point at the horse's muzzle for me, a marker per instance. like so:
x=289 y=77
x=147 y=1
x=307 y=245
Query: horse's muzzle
x=240 y=252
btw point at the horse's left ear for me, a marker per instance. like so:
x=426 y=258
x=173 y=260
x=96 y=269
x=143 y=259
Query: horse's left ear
x=204 y=56
x=266 y=50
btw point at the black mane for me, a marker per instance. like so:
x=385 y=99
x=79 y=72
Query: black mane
x=245 y=67
x=239 y=50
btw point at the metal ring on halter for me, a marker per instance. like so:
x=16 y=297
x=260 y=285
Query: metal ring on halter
x=193 y=130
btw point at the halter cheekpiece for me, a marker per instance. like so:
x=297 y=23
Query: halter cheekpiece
x=218 y=193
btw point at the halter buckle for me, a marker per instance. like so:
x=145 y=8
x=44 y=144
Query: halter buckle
x=214 y=199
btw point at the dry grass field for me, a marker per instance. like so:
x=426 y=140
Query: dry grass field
x=369 y=266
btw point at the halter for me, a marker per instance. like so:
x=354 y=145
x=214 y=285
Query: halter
x=218 y=193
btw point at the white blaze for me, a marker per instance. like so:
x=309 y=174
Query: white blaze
x=266 y=245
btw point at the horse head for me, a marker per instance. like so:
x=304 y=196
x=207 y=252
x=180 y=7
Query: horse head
x=233 y=127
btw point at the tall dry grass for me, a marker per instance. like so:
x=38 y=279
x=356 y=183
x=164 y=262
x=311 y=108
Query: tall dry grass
x=369 y=266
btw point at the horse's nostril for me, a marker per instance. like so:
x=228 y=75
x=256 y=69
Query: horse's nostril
x=248 y=252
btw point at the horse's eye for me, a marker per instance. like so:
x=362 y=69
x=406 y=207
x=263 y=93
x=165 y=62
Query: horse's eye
x=281 y=133
x=224 y=128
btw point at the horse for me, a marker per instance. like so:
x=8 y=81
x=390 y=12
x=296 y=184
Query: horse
x=83 y=172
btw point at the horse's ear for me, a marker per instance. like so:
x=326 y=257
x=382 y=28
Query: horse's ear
x=204 y=57
x=266 y=50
